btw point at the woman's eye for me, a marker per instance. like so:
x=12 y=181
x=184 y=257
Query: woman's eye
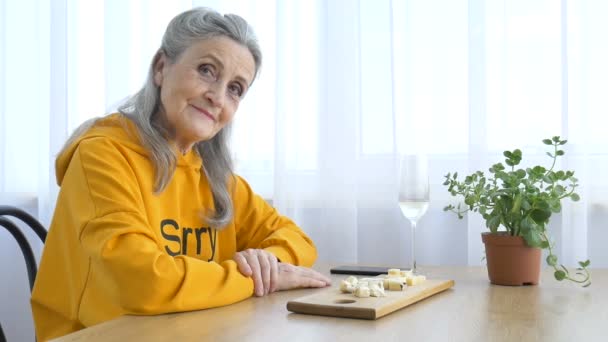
x=206 y=70
x=236 y=89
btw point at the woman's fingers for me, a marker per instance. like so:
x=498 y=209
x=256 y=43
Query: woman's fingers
x=274 y=274
x=310 y=282
x=309 y=272
x=249 y=266
x=242 y=264
x=264 y=271
x=254 y=263
x=269 y=275
x=262 y=267
x=292 y=277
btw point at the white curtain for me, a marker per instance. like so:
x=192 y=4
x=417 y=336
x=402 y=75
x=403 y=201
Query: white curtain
x=345 y=87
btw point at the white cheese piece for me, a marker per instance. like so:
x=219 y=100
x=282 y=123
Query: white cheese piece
x=395 y=285
x=376 y=291
x=362 y=292
x=416 y=280
x=372 y=281
x=406 y=274
x=352 y=280
x=394 y=272
x=346 y=287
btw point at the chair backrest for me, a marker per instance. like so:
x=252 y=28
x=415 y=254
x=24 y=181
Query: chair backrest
x=26 y=249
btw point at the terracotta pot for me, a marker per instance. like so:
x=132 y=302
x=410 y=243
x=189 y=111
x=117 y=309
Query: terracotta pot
x=510 y=260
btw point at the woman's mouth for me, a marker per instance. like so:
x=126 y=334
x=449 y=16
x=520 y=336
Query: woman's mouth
x=204 y=112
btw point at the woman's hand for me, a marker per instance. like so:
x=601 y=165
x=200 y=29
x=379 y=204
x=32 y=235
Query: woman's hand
x=293 y=277
x=269 y=275
x=262 y=267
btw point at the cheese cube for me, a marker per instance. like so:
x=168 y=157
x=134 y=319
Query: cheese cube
x=406 y=274
x=395 y=285
x=362 y=292
x=394 y=272
x=415 y=280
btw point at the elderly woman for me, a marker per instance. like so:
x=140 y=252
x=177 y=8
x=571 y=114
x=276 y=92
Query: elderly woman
x=150 y=217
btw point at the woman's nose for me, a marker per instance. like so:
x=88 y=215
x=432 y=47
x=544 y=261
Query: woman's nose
x=216 y=94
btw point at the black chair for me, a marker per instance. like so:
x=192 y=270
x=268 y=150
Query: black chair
x=26 y=249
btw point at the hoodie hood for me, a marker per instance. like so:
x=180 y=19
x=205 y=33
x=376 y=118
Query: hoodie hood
x=120 y=129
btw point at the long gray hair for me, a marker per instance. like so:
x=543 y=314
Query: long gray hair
x=144 y=108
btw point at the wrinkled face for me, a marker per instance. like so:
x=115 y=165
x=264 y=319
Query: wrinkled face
x=202 y=89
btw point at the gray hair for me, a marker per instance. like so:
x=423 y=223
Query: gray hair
x=143 y=108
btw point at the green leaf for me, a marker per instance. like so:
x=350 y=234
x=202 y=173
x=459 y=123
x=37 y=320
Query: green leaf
x=469 y=200
x=533 y=238
x=555 y=138
x=555 y=206
x=575 y=197
x=517 y=203
x=547 y=142
x=551 y=260
x=539 y=169
x=550 y=154
x=540 y=215
x=507 y=154
x=559 y=153
x=541 y=204
x=525 y=205
x=559 y=190
x=517 y=153
x=585 y=263
x=526 y=224
x=544 y=244
x=493 y=223
x=563 y=142
x=560 y=275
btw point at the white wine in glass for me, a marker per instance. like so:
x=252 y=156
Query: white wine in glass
x=413 y=194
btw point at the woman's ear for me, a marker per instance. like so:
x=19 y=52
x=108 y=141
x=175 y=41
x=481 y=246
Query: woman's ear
x=159 y=63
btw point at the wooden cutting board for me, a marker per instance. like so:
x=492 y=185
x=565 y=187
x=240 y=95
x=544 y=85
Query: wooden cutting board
x=331 y=302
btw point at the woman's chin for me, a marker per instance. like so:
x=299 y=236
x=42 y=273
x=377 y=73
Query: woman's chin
x=205 y=135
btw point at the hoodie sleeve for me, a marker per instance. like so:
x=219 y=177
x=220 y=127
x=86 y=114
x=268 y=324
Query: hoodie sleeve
x=126 y=261
x=259 y=225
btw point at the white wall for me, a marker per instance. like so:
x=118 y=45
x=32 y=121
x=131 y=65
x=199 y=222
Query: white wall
x=15 y=309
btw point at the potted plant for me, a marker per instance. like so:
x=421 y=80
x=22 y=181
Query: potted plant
x=516 y=205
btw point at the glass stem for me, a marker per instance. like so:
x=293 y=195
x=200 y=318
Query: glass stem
x=413 y=247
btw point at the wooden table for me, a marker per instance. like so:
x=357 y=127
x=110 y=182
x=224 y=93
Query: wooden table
x=473 y=310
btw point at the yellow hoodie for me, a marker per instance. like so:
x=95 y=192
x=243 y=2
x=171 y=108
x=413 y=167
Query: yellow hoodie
x=115 y=248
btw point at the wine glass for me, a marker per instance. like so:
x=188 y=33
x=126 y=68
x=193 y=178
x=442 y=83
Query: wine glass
x=413 y=194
